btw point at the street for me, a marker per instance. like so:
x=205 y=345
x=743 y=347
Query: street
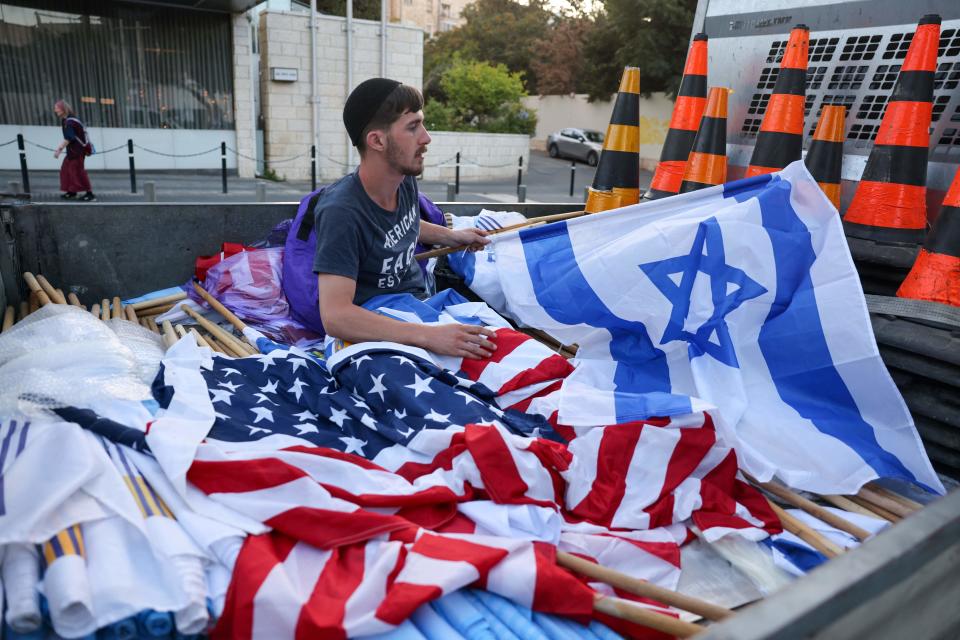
x=547 y=180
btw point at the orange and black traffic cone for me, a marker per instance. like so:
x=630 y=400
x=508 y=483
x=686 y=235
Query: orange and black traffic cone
x=935 y=275
x=618 y=171
x=687 y=110
x=707 y=164
x=890 y=202
x=780 y=140
x=825 y=155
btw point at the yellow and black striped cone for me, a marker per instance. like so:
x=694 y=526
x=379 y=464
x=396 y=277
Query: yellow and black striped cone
x=707 y=163
x=890 y=204
x=780 y=140
x=687 y=110
x=825 y=155
x=618 y=171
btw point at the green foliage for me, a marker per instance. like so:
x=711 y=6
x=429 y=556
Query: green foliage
x=479 y=96
x=650 y=34
x=270 y=174
x=496 y=31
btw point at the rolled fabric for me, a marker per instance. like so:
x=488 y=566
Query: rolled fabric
x=21 y=576
x=463 y=616
x=194 y=617
x=433 y=625
x=513 y=616
x=499 y=629
x=154 y=624
x=405 y=631
x=69 y=599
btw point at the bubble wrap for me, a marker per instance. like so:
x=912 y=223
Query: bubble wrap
x=62 y=356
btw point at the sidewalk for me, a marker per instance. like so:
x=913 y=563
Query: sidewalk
x=547 y=180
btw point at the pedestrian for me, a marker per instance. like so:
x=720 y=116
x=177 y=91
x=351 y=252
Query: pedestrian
x=368 y=224
x=73 y=177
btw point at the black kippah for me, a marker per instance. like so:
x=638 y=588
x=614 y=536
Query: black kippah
x=362 y=105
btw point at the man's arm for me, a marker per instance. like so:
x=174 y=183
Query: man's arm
x=347 y=321
x=435 y=234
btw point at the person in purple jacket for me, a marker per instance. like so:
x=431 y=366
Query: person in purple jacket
x=73 y=176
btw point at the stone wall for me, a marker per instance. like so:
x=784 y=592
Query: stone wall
x=559 y=112
x=482 y=155
x=285 y=42
x=243 y=100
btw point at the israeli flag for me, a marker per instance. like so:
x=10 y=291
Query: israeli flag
x=741 y=297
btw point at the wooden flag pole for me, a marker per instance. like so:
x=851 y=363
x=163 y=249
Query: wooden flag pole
x=130 y=314
x=75 y=301
x=200 y=341
x=8 y=318
x=169 y=335
x=641 y=587
x=95 y=310
x=848 y=505
x=232 y=343
x=217 y=306
x=805 y=533
x=878 y=499
x=626 y=610
x=55 y=296
x=876 y=510
x=812 y=508
x=433 y=253
x=156 y=302
x=907 y=503
x=41 y=297
x=116 y=310
x=104 y=309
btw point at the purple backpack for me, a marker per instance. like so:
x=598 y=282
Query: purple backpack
x=299 y=280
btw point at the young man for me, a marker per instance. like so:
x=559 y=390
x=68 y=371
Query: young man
x=368 y=223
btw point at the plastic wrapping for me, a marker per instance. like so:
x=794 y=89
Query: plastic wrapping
x=63 y=356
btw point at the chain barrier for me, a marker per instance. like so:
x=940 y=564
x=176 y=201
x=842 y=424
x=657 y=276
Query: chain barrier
x=6 y=143
x=176 y=155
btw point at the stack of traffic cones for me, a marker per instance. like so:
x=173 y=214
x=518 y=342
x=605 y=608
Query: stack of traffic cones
x=890 y=202
x=687 y=110
x=825 y=155
x=707 y=164
x=617 y=181
x=935 y=275
x=780 y=140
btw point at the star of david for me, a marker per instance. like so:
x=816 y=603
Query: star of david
x=729 y=288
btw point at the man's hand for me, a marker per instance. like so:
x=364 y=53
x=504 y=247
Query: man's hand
x=462 y=340
x=474 y=238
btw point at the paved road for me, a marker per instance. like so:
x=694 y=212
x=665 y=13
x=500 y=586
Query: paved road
x=547 y=180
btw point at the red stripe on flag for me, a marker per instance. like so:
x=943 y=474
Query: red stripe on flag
x=557 y=591
x=322 y=615
x=506 y=340
x=403 y=599
x=258 y=556
x=492 y=456
x=693 y=445
x=328 y=529
x=326 y=452
x=614 y=456
x=550 y=368
x=241 y=476
x=443 y=460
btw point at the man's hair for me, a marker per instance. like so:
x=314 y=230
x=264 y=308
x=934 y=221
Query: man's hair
x=401 y=100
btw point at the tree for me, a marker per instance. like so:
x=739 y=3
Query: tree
x=558 y=58
x=653 y=35
x=480 y=97
x=495 y=31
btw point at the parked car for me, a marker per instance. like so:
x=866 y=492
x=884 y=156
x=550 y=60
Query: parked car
x=581 y=144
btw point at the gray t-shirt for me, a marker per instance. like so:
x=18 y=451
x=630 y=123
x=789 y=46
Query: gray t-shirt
x=360 y=240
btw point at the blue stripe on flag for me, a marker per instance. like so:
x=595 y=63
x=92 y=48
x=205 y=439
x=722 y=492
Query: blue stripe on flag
x=464 y=264
x=428 y=310
x=642 y=375
x=817 y=391
x=745 y=188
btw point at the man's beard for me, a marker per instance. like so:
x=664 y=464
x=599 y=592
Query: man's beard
x=397 y=163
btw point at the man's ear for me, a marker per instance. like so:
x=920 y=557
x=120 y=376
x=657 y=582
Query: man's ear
x=376 y=139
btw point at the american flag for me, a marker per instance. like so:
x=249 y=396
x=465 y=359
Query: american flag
x=389 y=480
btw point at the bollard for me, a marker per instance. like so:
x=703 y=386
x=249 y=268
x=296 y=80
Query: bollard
x=451 y=192
x=522 y=193
x=456 y=179
x=313 y=168
x=133 y=168
x=223 y=164
x=150 y=191
x=262 y=192
x=23 y=163
x=519 y=174
x=573 y=175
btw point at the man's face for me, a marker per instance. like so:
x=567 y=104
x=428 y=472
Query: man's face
x=406 y=142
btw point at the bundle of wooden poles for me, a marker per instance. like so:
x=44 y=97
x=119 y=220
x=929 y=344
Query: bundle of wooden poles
x=144 y=313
